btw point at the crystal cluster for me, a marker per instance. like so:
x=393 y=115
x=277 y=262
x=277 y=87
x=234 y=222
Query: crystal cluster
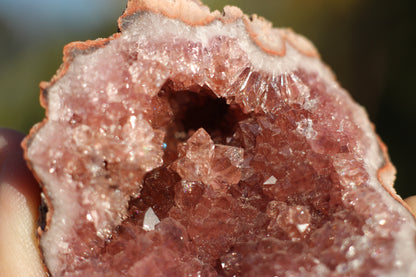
x=205 y=144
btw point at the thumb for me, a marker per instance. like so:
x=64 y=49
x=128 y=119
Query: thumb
x=19 y=199
x=411 y=201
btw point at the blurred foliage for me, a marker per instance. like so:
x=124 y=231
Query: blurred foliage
x=368 y=44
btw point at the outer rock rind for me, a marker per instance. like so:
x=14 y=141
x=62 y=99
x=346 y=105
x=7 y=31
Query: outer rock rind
x=310 y=157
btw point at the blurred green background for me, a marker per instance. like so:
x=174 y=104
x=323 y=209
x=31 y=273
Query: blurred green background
x=369 y=44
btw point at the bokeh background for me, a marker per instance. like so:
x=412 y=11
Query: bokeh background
x=369 y=44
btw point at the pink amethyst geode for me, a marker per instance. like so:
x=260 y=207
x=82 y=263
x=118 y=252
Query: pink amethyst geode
x=198 y=143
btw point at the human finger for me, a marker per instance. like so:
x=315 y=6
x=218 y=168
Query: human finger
x=19 y=201
x=411 y=201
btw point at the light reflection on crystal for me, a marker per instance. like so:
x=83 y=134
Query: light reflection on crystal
x=351 y=252
x=150 y=220
x=302 y=227
x=270 y=181
x=89 y=217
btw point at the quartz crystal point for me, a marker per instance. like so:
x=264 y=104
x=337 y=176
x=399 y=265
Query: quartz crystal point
x=198 y=143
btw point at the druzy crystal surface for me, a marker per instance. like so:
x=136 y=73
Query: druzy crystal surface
x=205 y=144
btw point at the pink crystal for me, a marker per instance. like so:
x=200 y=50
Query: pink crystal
x=236 y=136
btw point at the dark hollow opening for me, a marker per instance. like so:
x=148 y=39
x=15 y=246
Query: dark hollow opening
x=201 y=108
x=206 y=112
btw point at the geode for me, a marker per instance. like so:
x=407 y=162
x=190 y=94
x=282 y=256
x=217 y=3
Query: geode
x=198 y=143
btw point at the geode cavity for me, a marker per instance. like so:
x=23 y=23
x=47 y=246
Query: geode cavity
x=195 y=143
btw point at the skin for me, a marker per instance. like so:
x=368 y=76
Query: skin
x=19 y=202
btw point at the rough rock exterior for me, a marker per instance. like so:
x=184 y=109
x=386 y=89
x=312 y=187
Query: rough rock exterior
x=196 y=143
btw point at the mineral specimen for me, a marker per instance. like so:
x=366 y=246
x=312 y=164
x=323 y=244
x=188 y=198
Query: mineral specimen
x=195 y=143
